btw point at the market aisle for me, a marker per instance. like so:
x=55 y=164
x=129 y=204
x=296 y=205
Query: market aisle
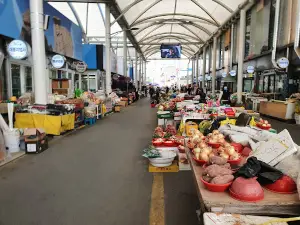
x=94 y=176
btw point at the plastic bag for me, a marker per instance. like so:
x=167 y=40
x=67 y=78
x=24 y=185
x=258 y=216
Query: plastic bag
x=255 y=168
x=252 y=122
x=290 y=166
x=228 y=121
x=240 y=138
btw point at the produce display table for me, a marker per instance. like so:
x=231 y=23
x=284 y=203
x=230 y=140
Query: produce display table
x=54 y=125
x=273 y=204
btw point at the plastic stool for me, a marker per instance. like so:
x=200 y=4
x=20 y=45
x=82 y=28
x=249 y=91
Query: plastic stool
x=90 y=121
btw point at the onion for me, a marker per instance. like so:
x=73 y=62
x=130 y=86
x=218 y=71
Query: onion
x=221 y=141
x=211 y=155
x=197 y=150
x=197 y=155
x=206 y=150
x=202 y=145
x=196 y=139
x=209 y=135
x=213 y=140
x=220 y=136
x=235 y=156
x=226 y=144
x=224 y=155
x=230 y=150
x=215 y=132
x=204 y=156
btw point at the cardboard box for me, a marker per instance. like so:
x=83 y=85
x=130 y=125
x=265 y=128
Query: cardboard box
x=169 y=169
x=117 y=108
x=36 y=146
x=122 y=103
x=35 y=140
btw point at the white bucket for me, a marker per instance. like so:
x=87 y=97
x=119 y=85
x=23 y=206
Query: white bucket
x=12 y=140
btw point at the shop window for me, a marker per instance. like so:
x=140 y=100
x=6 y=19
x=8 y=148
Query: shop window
x=28 y=79
x=3 y=86
x=76 y=81
x=248 y=84
x=15 y=79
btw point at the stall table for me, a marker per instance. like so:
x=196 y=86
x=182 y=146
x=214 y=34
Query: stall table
x=272 y=205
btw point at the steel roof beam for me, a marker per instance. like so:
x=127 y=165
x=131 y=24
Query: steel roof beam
x=223 y=5
x=170 y=37
x=187 y=28
x=125 y=10
x=155 y=28
x=181 y=43
x=202 y=19
x=168 y=33
x=145 y=10
x=209 y=14
x=78 y=20
x=81 y=1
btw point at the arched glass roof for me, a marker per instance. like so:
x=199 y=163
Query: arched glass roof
x=189 y=22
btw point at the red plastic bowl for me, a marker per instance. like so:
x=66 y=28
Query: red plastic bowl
x=263 y=128
x=156 y=144
x=235 y=162
x=247 y=190
x=214 y=145
x=238 y=147
x=200 y=162
x=284 y=185
x=215 y=187
x=169 y=143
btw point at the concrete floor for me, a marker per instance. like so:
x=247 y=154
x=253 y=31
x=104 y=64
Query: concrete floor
x=94 y=176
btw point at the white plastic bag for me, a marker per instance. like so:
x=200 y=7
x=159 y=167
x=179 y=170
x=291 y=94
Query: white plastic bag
x=242 y=139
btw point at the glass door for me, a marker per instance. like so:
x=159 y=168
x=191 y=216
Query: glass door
x=28 y=79
x=15 y=80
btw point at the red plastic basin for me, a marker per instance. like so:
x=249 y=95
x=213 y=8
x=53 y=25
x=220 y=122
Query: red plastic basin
x=215 y=187
x=284 y=185
x=247 y=190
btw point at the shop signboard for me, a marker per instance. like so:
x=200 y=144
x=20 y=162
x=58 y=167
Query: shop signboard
x=224 y=74
x=232 y=73
x=283 y=63
x=58 y=61
x=81 y=67
x=18 y=49
x=250 y=69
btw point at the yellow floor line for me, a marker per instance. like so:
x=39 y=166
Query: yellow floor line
x=157 y=207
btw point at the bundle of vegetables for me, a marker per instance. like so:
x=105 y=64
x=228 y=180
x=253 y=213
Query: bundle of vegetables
x=158 y=132
x=151 y=152
x=205 y=124
x=170 y=129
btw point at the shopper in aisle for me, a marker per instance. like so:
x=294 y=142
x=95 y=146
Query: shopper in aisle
x=151 y=91
x=157 y=95
x=189 y=89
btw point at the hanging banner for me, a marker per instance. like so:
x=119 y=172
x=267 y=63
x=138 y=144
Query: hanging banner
x=232 y=73
x=250 y=69
x=283 y=63
x=58 y=61
x=18 y=49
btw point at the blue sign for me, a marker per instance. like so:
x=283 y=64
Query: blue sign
x=62 y=36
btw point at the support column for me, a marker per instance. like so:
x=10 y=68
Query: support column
x=136 y=70
x=214 y=66
x=197 y=69
x=145 y=73
x=79 y=81
x=125 y=71
x=241 y=55
x=140 y=74
x=193 y=70
x=204 y=67
x=107 y=50
x=38 y=51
